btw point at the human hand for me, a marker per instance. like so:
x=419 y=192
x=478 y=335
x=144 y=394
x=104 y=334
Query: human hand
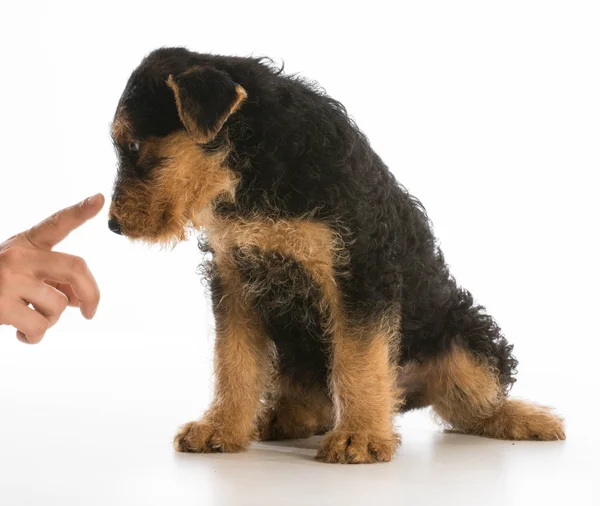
x=37 y=284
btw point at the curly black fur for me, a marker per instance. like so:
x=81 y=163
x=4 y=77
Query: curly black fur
x=297 y=152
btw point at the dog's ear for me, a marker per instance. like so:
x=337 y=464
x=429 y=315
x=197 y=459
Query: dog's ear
x=205 y=98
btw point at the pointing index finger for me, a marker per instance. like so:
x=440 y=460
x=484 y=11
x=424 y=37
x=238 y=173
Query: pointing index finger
x=52 y=230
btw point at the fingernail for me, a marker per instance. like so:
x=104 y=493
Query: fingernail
x=92 y=200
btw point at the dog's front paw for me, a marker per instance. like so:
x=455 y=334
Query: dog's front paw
x=207 y=437
x=347 y=447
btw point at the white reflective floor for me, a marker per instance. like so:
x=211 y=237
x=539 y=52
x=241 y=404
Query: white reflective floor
x=105 y=440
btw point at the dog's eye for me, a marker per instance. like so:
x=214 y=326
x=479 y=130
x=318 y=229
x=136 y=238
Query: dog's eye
x=134 y=147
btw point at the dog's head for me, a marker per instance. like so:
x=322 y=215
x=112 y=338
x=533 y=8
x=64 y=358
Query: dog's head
x=172 y=109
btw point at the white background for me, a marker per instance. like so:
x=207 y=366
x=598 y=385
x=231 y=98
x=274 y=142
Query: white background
x=487 y=111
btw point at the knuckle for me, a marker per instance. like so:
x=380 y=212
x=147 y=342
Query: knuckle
x=78 y=265
x=57 y=300
x=12 y=255
x=53 y=220
x=5 y=275
x=38 y=329
x=63 y=303
x=52 y=320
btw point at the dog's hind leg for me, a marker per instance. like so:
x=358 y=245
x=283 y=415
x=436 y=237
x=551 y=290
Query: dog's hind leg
x=466 y=393
x=296 y=411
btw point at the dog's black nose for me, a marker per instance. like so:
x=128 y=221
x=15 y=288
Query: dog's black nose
x=114 y=226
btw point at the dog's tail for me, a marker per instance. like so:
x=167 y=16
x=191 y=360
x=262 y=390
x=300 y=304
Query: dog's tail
x=469 y=384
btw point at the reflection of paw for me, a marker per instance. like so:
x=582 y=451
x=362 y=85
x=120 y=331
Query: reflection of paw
x=346 y=447
x=205 y=437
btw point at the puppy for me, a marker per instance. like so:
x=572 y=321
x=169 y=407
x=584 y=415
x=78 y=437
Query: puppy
x=334 y=307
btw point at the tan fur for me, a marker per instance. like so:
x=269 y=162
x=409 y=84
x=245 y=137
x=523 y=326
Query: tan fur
x=363 y=380
x=363 y=371
x=295 y=412
x=121 y=128
x=190 y=122
x=363 y=383
x=315 y=245
x=354 y=447
x=242 y=368
x=465 y=394
x=412 y=381
x=189 y=180
x=521 y=420
x=456 y=378
x=312 y=244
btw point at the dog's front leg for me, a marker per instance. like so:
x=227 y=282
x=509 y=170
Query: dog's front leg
x=242 y=368
x=364 y=394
